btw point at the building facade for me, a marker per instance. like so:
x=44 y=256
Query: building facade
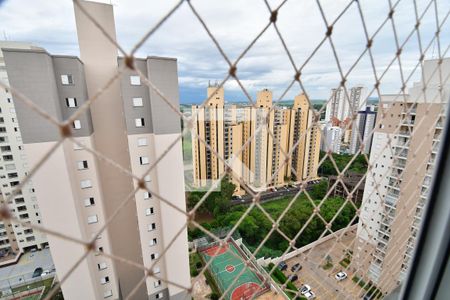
x=15 y=239
x=255 y=141
x=341 y=109
x=77 y=192
x=332 y=139
x=403 y=156
x=362 y=130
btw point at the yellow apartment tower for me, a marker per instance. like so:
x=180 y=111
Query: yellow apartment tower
x=264 y=146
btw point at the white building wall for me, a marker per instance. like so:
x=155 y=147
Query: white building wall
x=332 y=140
x=173 y=221
x=146 y=203
x=372 y=203
x=63 y=216
x=18 y=166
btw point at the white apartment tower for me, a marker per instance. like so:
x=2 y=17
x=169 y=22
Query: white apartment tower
x=332 y=138
x=77 y=192
x=14 y=238
x=340 y=108
x=397 y=186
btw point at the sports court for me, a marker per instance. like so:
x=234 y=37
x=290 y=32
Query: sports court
x=227 y=264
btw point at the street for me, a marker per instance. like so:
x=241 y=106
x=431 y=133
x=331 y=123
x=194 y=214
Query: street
x=271 y=195
x=23 y=271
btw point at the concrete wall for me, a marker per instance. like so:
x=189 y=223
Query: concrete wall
x=100 y=63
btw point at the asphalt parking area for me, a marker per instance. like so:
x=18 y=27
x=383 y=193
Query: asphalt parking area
x=322 y=281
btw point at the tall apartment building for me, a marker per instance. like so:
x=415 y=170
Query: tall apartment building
x=362 y=130
x=272 y=133
x=77 y=192
x=217 y=126
x=14 y=238
x=307 y=134
x=396 y=188
x=340 y=109
x=332 y=139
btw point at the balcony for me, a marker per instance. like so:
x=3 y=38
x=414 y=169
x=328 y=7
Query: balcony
x=390 y=200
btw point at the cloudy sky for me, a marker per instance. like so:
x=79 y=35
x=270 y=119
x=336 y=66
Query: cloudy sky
x=235 y=23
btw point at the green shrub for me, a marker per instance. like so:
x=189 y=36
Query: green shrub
x=212 y=284
x=327 y=266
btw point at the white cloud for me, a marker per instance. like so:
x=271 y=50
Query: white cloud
x=235 y=23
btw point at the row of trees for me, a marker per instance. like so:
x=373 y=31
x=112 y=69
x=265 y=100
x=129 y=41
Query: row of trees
x=256 y=225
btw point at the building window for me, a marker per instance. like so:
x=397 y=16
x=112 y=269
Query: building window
x=147 y=195
x=82 y=165
x=135 y=80
x=102 y=266
x=139 y=122
x=147 y=178
x=143 y=160
x=107 y=294
x=151 y=227
x=154 y=256
x=137 y=102
x=159 y=296
x=92 y=219
x=104 y=280
x=77 y=124
x=157 y=283
x=156 y=270
x=153 y=242
x=66 y=79
x=85 y=184
x=149 y=211
x=71 y=102
x=142 y=142
x=89 y=201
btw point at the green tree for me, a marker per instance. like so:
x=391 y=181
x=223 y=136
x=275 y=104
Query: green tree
x=216 y=202
x=327 y=168
x=319 y=190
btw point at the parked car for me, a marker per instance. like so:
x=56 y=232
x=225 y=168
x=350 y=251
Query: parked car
x=309 y=295
x=295 y=268
x=282 y=266
x=293 y=277
x=305 y=289
x=340 y=276
x=37 y=272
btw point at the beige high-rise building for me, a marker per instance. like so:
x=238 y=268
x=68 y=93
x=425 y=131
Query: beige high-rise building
x=305 y=158
x=397 y=186
x=77 y=192
x=256 y=141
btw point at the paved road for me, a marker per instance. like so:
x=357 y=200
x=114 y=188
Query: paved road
x=269 y=196
x=23 y=270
